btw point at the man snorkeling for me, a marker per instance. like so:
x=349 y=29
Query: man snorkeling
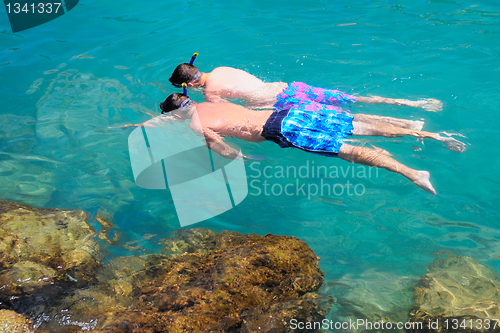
x=309 y=126
x=227 y=82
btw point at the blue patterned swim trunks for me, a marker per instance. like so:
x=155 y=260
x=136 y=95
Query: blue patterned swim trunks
x=321 y=132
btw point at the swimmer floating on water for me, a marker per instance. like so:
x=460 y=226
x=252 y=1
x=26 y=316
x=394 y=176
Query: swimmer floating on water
x=309 y=126
x=227 y=82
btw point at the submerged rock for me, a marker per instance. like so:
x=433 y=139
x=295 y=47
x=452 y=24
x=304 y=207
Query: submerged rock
x=44 y=247
x=371 y=298
x=210 y=282
x=12 y=322
x=457 y=294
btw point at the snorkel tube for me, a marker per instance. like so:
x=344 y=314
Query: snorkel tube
x=187 y=101
x=193 y=57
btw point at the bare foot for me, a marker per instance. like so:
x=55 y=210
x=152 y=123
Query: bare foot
x=416 y=125
x=430 y=104
x=423 y=182
x=453 y=144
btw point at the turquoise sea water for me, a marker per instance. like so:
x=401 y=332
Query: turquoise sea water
x=67 y=85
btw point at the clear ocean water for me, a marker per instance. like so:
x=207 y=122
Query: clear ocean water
x=67 y=86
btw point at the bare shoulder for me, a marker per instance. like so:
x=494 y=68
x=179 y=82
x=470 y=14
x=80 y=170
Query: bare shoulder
x=219 y=107
x=215 y=109
x=226 y=70
x=232 y=74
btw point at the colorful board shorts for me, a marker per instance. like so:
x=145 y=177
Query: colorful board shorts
x=320 y=132
x=299 y=93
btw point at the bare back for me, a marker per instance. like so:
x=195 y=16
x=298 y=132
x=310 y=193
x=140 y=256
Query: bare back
x=228 y=119
x=227 y=82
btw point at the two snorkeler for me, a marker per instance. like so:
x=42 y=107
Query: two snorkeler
x=305 y=117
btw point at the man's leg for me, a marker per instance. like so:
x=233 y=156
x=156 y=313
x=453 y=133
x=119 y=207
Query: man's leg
x=367 y=156
x=378 y=120
x=366 y=129
x=428 y=104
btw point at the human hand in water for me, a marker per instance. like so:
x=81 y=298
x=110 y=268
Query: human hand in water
x=254 y=157
x=125 y=126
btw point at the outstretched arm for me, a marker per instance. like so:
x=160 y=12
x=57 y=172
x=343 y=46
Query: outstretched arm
x=215 y=143
x=153 y=122
x=126 y=126
x=428 y=104
x=214 y=97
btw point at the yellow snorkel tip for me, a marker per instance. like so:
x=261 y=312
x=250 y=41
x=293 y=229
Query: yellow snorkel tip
x=184 y=88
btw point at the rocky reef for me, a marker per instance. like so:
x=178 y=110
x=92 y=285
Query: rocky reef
x=12 y=322
x=457 y=294
x=372 y=297
x=44 y=249
x=206 y=282
x=53 y=279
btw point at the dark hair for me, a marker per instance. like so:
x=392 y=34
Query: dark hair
x=172 y=102
x=183 y=73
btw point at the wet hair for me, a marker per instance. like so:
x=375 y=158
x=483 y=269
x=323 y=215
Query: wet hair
x=172 y=102
x=183 y=73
